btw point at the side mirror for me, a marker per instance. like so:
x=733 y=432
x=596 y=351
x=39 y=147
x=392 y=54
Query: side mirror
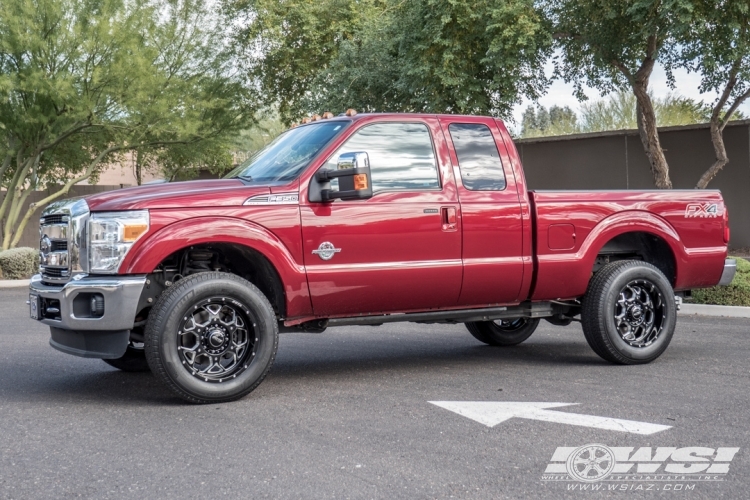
x=353 y=173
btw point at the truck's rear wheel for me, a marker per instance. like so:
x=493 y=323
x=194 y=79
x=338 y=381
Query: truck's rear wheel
x=134 y=359
x=211 y=338
x=629 y=312
x=504 y=332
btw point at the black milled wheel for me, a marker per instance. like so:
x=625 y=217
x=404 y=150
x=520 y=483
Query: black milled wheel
x=504 y=332
x=629 y=312
x=134 y=359
x=211 y=338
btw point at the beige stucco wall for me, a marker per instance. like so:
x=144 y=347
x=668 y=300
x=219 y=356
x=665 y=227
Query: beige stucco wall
x=121 y=173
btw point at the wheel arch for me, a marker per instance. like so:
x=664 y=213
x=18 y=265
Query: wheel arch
x=566 y=276
x=252 y=251
x=639 y=245
x=635 y=234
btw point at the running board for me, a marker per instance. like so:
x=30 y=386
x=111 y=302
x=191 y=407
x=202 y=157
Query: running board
x=524 y=310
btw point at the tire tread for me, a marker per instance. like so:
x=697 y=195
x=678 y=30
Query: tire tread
x=153 y=356
x=594 y=311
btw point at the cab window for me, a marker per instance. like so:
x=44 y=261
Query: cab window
x=401 y=156
x=478 y=158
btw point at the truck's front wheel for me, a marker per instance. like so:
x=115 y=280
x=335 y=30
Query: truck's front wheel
x=629 y=312
x=211 y=338
x=506 y=332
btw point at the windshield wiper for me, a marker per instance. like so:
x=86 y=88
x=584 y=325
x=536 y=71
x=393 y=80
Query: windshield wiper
x=246 y=178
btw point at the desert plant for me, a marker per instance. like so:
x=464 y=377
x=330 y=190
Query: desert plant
x=19 y=263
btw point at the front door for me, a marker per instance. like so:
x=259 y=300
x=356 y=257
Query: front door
x=399 y=250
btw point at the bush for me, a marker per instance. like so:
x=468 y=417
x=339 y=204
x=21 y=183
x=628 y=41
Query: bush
x=19 y=263
x=736 y=294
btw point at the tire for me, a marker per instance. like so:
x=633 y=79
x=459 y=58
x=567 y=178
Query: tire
x=134 y=360
x=211 y=338
x=629 y=312
x=503 y=333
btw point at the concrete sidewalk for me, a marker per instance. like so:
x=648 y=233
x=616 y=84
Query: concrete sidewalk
x=14 y=283
x=711 y=310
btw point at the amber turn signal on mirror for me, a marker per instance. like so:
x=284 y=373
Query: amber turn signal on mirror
x=360 y=182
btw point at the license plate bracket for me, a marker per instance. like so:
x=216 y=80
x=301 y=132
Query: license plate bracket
x=35 y=306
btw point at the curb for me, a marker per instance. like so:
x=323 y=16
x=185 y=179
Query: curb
x=22 y=283
x=711 y=310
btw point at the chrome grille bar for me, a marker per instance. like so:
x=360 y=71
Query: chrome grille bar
x=62 y=240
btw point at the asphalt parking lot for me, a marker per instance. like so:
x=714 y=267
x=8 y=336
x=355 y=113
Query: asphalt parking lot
x=346 y=414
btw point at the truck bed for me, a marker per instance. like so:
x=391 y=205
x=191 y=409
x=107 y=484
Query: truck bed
x=570 y=228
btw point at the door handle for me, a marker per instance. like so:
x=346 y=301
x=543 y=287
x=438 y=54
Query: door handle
x=448 y=215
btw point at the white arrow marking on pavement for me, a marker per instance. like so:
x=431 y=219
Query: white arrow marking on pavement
x=491 y=413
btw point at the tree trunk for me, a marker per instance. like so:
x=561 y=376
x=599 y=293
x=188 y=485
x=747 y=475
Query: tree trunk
x=650 y=135
x=717 y=138
x=138 y=167
x=717 y=126
x=13 y=196
x=65 y=189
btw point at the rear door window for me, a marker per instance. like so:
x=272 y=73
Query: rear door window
x=478 y=158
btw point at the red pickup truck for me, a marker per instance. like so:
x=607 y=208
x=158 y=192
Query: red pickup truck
x=364 y=219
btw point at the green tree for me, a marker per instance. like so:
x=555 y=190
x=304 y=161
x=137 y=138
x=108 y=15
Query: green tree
x=614 y=112
x=717 y=46
x=284 y=45
x=540 y=122
x=423 y=55
x=251 y=140
x=618 y=111
x=613 y=45
x=82 y=81
x=563 y=118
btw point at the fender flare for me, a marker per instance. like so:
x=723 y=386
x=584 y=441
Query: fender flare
x=148 y=253
x=567 y=275
x=631 y=221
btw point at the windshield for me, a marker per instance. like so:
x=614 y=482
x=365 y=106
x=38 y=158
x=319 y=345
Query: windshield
x=288 y=155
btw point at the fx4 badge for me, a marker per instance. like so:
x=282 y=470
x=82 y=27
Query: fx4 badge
x=326 y=250
x=702 y=210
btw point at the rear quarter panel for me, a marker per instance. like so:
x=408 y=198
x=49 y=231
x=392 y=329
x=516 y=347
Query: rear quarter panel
x=696 y=238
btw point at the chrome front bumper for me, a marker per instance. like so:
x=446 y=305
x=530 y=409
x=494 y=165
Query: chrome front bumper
x=730 y=267
x=120 y=293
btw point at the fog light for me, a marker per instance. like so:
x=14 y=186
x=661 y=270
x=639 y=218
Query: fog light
x=97 y=306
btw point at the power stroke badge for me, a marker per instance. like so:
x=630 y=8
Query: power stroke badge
x=326 y=250
x=645 y=468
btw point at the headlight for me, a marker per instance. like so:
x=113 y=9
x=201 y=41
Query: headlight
x=111 y=235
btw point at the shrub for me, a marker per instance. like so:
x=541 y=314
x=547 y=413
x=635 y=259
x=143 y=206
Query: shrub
x=19 y=263
x=736 y=294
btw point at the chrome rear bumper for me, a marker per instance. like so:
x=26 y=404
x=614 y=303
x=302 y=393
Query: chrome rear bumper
x=730 y=267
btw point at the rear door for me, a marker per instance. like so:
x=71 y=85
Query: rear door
x=491 y=218
x=396 y=251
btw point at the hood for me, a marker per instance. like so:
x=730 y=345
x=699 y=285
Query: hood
x=188 y=194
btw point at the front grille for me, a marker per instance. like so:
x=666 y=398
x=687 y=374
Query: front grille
x=62 y=240
x=58 y=246
x=53 y=246
x=51 y=272
x=54 y=219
